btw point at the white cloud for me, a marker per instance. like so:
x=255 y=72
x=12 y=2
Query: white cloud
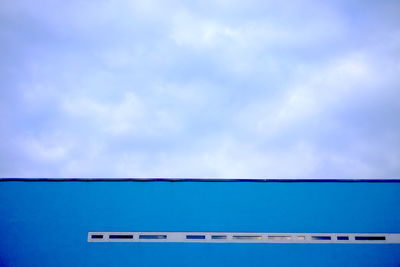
x=317 y=91
x=130 y=116
x=232 y=158
x=45 y=150
x=223 y=157
x=221 y=88
x=201 y=33
x=195 y=31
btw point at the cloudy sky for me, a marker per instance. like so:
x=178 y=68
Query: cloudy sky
x=208 y=88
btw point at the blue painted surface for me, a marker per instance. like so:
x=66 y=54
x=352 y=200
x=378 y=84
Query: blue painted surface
x=46 y=223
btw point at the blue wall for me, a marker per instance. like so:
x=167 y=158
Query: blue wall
x=46 y=223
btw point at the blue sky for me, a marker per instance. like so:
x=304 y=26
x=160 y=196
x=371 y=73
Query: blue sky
x=211 y=88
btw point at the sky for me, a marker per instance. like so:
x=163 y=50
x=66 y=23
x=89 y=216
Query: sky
x=200 y=89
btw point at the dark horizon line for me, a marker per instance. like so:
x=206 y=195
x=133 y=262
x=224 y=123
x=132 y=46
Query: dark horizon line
x=261 y=180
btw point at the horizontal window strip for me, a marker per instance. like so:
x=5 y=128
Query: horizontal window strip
x=243 y=237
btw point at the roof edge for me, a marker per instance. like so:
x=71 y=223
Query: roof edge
x=260 y=180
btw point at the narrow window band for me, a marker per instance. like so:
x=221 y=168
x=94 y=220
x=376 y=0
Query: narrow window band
x=244 y=237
